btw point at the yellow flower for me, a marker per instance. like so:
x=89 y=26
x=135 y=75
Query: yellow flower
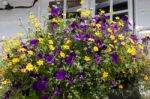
x=50 y=42
x=105 y=74
x=146 y=77
x=15 y=60
x=68 y=42
x=62 y=54
x=120 y=86
x=40 y=40
x=29 y=67
x=66 y=47
x=109 y=21
x=91 y=39
x=36 y=69
x=16 y=43
x=51 y=47
x=5 y=57
x=23 y=70
x=5 y=82
x=98 y=34
x=109 y=49
x=131 y=40
x=109 y=30
x=36 y=24
x=87 y=58
x=21 y=50
x=121 y=37
x=123 y=43
x=117 y=18
x=78 y=10
x=55 y=20
x=112 y=37
x=22 y=56
x=115 y=41
x=9 y=64
x=140 y=46
x=131 y=50
x=95 y=48
x=81 y=2
x=31 y=17
x=88 y=12
x=30 y=52
x=102 y=11
x=40 y=62
x=98 y=25
x=120 y=23
x=6 y=50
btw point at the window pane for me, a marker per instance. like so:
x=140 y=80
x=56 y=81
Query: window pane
x=121 y=15
x=120 y=5
x=102 y=4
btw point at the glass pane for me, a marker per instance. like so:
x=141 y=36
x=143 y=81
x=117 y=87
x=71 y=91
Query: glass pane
x=120 y=5
x=102 y=5
x=121 y=15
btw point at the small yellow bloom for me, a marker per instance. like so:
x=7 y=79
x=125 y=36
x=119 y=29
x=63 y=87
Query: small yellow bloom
x=62 y=54
x=87 y=58
x=36 y=24
x=9 y=64
x=102 y=11
x=23 y=70
x=5 y=82
x=131 y=40
x=21 y=50
x=68 y=42
x=95 y=48
x=98 y=25
x=115 y=41
x=15 y=60
x=51 y=47
x=123 y=43
x=98 y=34
x=36 y=69
x=117 y=18
x=5 y=57
x=29 y=67
x=109 y=30
x=40 y=62
x=30 y=52
x=109 y=49
x=55 y=20
x=6 y=50
x=131 y=50
x=91 y=39
x=146 y=77
x=112 y=37
x=120 y=86
x=66 y=47
x=31 y=17
x=40 y=40
x=22 y=56
x=105 y=74
x=16 y=43
x=50 y=42
x=121 y=37
x=140 y=46
x=120 y=23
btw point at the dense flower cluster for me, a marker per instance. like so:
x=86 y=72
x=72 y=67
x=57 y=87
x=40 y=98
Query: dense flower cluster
x=87 y=57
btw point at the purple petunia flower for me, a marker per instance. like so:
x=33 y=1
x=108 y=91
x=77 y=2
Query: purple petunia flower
x=44 y=97
x=133 y=37
x=79 y=37
x=60 y=75
x=70 y=58
x=73 y=25
x=49 y=59
x=115 y=57
x=71 y=79
x=98 y=59
x=7 y=95
x=41 y=84
x=81 y=75
x=40 y=55
x=83 y=27
x=57 y=50
x=33 y=42
x=55 y=11
x=57 y=93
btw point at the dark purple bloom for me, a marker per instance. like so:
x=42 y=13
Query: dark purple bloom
x=112 y=83
x=81 y=75
x=16 y=85
x=7 y=95
x=57 y=93
x=55 y=11
x=44 y=97
x=104 y=16
x=104 y=47
x=70 y=58
x=33 y=42
x=145 y=39
x=41 y=84
x=98 y=59
x=83 y=27
x=49 y=59
x=73 y=25
x=103 y=25
x=115 y=57
x=71 y=79
x=40 y=55
x=60 y=75
x=57 y=50
x=133 y=37
x=79 y=37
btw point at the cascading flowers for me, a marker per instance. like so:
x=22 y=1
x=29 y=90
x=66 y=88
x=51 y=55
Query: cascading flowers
x=84 y=59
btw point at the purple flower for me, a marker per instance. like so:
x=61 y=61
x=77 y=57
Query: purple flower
x=104 y=47
x=41 y=84
x=57 y=93
x=73 y=25
x=98 y=59
x=57 y=50
x=60 y=75
x=7 y=95
x=40 y=55
x=49 y=59
x=55 y=11
x=79 y=37
x=112 y=83
x=83 y=27
x=70 y=58
x=33 y=42
x=71 y=79
x=115 y=57
x=44 y=97
x=133 y=37
x=81 y=75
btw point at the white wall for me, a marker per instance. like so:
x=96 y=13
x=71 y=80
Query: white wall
x=9 y=18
